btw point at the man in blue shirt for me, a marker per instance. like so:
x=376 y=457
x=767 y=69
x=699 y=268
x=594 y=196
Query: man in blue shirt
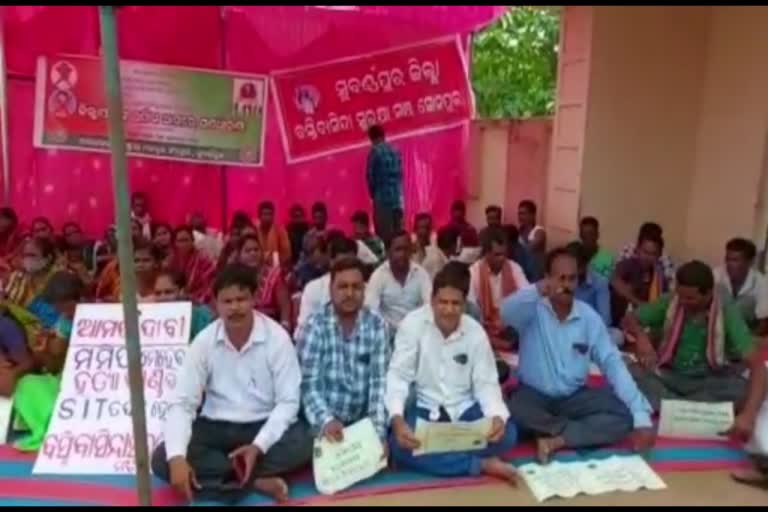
x=384 y=175
x=559 y=338
x=592 y=288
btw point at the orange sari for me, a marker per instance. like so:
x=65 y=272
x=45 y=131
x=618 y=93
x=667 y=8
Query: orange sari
x=199 y=272
x=489 y=309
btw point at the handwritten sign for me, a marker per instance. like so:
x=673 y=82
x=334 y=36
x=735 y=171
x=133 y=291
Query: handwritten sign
x=328 y=107
x=91 y=430
x=695 y=420
x=568 y=479
x=459 y=436
x=338 y=466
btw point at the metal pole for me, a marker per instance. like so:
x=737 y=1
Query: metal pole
x=125 y=250
x=6 y=159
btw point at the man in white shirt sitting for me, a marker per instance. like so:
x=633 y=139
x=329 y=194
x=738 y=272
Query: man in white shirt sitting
x=493 y=278
x=738 y=281
x=247 y=433
x=399 y=285
x=317 y=293
x=445 y=355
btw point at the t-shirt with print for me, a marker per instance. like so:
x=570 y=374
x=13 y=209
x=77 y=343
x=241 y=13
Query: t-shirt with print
x=691 y=354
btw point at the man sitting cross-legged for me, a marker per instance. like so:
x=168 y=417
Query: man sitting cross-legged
x=446 y=357
x=559 y=337
x=703 y=349
x=344 y=358
x=246 y=434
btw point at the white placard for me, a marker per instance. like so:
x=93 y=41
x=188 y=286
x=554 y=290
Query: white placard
x=568 y=479
x=694 y=420
x=6 y=408
x=338 y=466
x=91 y=430
x=457 y=436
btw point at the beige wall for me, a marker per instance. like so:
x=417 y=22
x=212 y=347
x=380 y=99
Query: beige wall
x=731 y=132
x=677 y=124
x=639 y=151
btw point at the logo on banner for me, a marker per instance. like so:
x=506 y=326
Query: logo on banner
x=62 y=103
x=307 y=99
x=249 y=97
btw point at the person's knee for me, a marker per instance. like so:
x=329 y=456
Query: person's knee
x=159 y=463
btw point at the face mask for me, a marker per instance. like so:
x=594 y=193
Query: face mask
x=33 y=265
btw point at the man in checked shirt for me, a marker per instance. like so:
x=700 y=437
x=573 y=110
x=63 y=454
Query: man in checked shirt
x=344 y=358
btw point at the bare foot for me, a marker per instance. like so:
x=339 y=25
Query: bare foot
x=546 y=446
x=751 y=476
x=496 y=468
x=274 y=487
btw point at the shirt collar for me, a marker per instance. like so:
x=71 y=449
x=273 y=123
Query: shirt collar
x=411 y=269
x=258 y=333
x=575 y=314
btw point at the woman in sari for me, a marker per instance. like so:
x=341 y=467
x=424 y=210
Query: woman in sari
x=146 y=262
x=272 y=297
x=11 y=240
x=198 y=270
x=38 y=263
x=170 y=286
x=162 y=239
x=36 y=392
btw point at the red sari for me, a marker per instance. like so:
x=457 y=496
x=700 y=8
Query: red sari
x=199 y=272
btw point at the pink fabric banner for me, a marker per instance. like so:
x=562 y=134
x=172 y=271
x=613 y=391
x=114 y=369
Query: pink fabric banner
x=66 y=185
x=328 y=107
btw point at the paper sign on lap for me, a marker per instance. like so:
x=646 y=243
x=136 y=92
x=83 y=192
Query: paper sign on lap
x=695 y=420
x=459 y=436
x=338 y=466
x=568 y=479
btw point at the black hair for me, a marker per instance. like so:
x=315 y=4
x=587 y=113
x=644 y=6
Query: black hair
x=695 y=274
x=47 y=247
x=240 y=219
x=459 y=205
x=422 y=216
x=447 y=238
x=493 y=209
x=296 y=208
x=267 y=206
x=70 y=224
x=529 y=205
x=556 y=253
x=361 y=217
x=138 y=195
x=590 y=221
x=158 y=225
x=651 y=229
x=491 y=236
x=513 y=234
x=742 y=246
x=341 y=245
x=319 y=207
x=235 y=274
x=245 y=239
x=9 y=214
x=347 y=263
x=453 y=275
x=398 y=233
x=375 y=132
x=184 y=228
x=651 y=237
x=176 y=276
x=42 y=220
x=142 y=244
x=64 y=286
x=579 y=252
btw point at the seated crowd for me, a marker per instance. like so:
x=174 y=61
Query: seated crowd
x=302 y=330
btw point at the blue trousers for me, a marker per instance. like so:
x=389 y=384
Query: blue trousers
x=453 y=463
